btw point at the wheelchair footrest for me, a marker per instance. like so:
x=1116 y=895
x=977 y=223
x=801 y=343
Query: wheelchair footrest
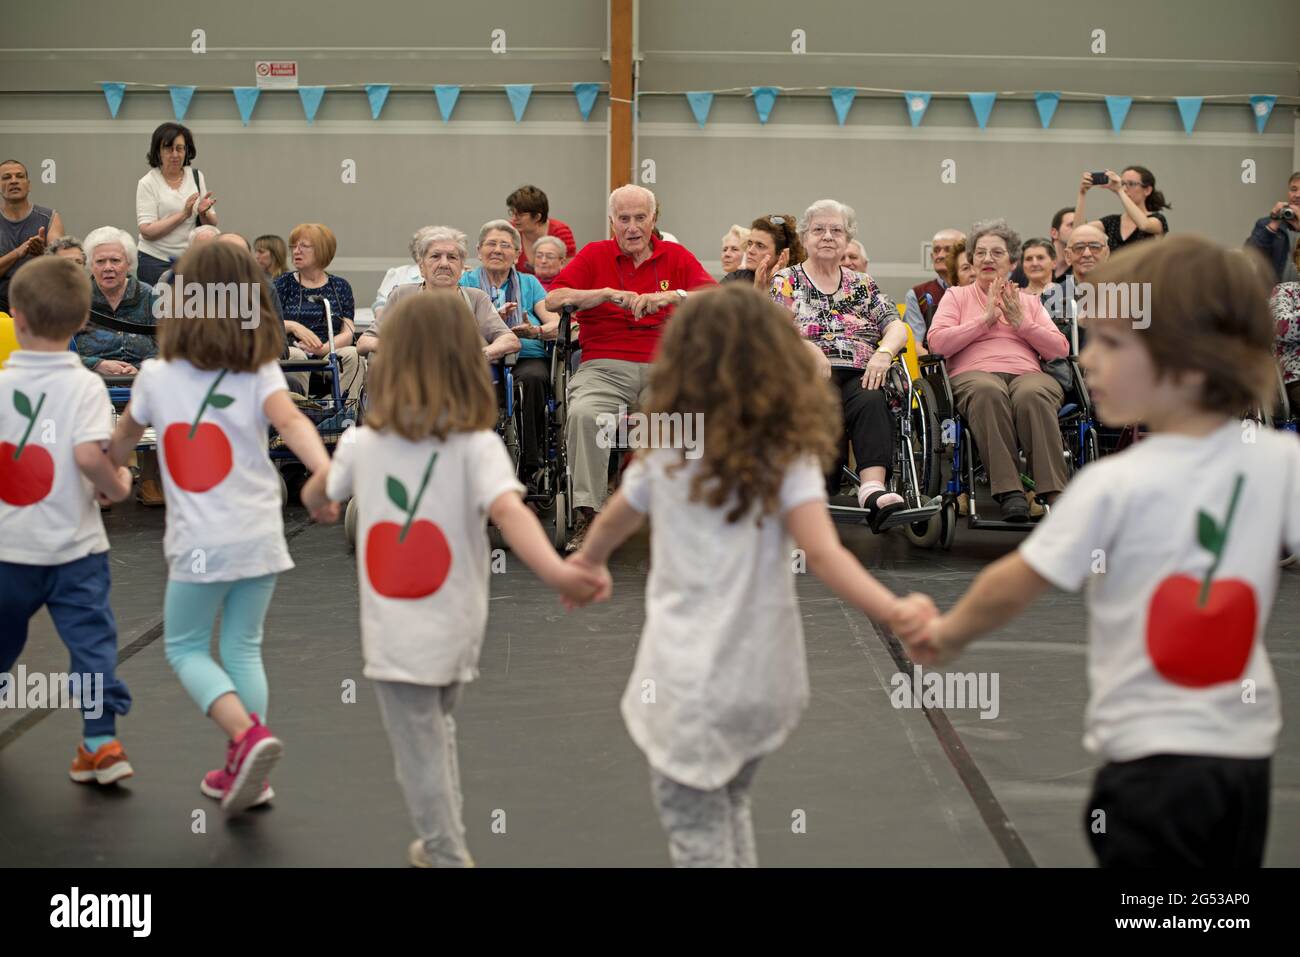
x=910 y=516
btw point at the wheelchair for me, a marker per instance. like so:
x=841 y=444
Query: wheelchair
x=1080 y=444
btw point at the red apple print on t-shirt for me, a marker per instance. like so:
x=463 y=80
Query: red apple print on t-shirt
x=26 y=471
x=1200 y=633
x=410 y=560
x=198 y=454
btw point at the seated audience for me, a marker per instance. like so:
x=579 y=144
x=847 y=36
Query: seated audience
x=530 y=213
x=25 y=228
x=923 y=299
x=855 y=257
x=733 y=248
x=271 y=254
x=772 y=245
x=68 y=247
x=404 y=275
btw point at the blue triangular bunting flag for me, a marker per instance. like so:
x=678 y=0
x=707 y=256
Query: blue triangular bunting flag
x=1261 y=104
x=917 y=104
x=1046 y=103
x=701 y=103
x=764 y=98
x=982 y=104
x=181 y=96
x=447 y=96
x=311 y=97
x=377 y=93
x=519 y=94
x=113 y=92
x=1118 y=108
x=1189 y=107
x=246 y=99
x=586 y=94
x=842 y=98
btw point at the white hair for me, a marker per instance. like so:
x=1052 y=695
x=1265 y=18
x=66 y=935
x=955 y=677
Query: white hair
x=415 y=241
x=631 y=189
x=106 y=235
x=503 y=226
x=206 y=231
x=861 y=248
x=551 y=241
x=833 y=206
x=440 y=234
x=740 y=232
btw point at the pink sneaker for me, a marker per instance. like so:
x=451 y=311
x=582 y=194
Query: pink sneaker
x=216 y=783
x=249 y=762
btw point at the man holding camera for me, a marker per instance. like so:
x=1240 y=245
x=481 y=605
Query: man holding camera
x=1275 y=235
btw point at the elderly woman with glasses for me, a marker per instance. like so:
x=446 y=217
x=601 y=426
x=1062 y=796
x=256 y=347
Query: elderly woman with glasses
x=856 y=332
x=441 y=255
x=520 y=300
x=994 y=338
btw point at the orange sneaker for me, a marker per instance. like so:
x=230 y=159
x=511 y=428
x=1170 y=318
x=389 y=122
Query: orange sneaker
x=108 y=765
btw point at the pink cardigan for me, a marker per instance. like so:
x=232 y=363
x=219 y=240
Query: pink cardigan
x=959 y=334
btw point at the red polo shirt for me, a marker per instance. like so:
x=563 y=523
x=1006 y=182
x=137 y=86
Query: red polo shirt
x=560 y=231
x=609 y=331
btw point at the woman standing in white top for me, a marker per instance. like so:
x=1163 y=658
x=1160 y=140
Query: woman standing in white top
x=170 y=200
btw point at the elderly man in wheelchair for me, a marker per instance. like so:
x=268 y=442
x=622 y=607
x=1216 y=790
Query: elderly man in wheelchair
x=990 y=340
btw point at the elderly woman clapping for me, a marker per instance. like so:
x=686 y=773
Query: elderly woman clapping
x=994 y=338
x=521 y=301
x=441 y=255
x=857 y=332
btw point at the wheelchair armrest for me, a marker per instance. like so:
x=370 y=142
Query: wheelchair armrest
x=118 y=380
x=930 y=359
x=303 y=365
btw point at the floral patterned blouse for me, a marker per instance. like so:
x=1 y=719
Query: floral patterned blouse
x=847 y=324
x=1285 y=304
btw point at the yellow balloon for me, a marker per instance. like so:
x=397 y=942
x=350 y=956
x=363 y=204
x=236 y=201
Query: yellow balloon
x=8 y=338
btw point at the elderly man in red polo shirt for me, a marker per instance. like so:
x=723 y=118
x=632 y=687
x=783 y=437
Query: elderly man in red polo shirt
x=626 y=288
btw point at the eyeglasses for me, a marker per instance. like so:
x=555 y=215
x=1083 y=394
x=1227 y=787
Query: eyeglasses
x=304 y=247
x=1086 y=247
x=493 y=244
x=836 y=231
x=1131 y=184
x=989 y=254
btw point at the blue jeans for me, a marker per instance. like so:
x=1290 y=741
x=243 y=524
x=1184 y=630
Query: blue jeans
x=189 y=611
x=76 y=594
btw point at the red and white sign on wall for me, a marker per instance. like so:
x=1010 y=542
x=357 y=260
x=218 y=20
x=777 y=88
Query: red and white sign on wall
x=277 y=74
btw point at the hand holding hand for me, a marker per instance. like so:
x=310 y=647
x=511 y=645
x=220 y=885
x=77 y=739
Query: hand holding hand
x=586 y=582
x=326 y=514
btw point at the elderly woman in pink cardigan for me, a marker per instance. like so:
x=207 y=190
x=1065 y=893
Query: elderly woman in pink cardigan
x=994 y=337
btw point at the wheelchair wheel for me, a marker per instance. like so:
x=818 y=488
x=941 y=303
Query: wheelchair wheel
x=947 y=525
x=560 y=537
x=1091 y=447
x=925 y=534
x=284 y=489
x=350 y=523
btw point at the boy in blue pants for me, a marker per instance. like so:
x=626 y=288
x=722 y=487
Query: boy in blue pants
x=54 y=417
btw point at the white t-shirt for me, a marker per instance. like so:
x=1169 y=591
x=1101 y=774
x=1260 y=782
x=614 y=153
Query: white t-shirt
x=223 y=493
x=1167 y=676
x=424 y=589
x=155 y=200
x=48 y=513
x=720 y=675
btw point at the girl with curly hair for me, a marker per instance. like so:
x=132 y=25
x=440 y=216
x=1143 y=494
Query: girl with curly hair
x=720 y=677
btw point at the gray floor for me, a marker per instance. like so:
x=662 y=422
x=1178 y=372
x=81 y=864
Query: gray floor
x=544 y=755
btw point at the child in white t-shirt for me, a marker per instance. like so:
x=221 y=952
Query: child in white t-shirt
x=210 y=397
x=720 y=678
x=426 y=472
x=1176 y=540
x=54 y=420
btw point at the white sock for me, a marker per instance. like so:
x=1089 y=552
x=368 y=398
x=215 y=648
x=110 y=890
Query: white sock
x=868 y=488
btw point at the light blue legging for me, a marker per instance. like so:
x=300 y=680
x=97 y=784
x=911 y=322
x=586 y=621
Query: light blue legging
x=189 y=611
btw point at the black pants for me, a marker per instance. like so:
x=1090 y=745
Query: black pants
x=1176 y=810
x=149 y=268
x=866 y=420
x=534 y=376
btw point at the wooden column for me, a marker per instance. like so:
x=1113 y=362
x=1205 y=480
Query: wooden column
x=620 y=92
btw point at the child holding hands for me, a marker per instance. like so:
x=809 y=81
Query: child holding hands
x=1176 y=541
x=427 y=472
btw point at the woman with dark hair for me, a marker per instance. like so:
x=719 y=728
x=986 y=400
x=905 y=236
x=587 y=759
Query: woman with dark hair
x=271 y=254
x=170 y=200
x=773 y=244
x=1142 y=203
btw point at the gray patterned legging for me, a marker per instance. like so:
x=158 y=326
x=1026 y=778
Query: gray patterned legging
x=708 y=828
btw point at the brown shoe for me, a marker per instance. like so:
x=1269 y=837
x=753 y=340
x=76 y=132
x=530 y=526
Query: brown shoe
x=150 y=494
x=106 y=766
x=581 y=523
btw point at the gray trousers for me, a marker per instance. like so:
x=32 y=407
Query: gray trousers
x=1009 y=412
x=599 y=387
x=708 y=828
x=423 y=737
x=351 y=373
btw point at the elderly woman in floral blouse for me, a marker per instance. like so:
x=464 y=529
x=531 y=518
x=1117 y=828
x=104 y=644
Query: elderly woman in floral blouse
x=1285 y=304
x=857 y=331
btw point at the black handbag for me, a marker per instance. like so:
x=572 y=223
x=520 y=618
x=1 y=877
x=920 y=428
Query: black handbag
x=198 y=217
